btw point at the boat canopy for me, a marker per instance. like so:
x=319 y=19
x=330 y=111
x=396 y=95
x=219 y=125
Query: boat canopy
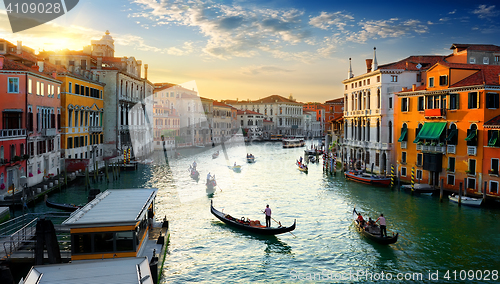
x=430 y=130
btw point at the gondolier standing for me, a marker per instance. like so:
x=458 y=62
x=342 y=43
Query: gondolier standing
x=383 y=228
x=267 y=211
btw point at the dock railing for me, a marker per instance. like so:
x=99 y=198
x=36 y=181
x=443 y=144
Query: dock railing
x=16 y=232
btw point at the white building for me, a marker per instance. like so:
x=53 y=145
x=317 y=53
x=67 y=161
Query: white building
x=286 y=114
x=369 y=109
x=252 y=122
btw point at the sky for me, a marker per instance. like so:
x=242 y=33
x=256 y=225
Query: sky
x=253 y=49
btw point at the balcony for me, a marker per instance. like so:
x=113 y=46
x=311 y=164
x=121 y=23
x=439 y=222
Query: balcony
x=419 y=147
x=451 y=149
x=94 y=129
x=471 y=150
x=12 y=133
x=403 y=144
x=49 y=132
x=437 y=113
x=124 y=128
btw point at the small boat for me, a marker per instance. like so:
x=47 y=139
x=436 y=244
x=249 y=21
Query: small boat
x=368 y=178
x=373 y=233
x=62 y=206
x=194 y=174
x=211 y=185
x=303 y=168
x=215 y=155
x=236 y=169
x=467 y=201
x=251 y=159
x=312 y=159
x=248 y=225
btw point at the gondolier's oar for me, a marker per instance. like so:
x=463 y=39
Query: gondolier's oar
x=279 y=224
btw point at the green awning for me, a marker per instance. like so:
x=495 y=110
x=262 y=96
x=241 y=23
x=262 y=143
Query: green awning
x=431 y=130
x=403 y=134
x=493 y=139
x=453 y=134
x=471 y=135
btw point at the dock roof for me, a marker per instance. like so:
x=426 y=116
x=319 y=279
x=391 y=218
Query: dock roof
x=114 y=207
x=110 y=271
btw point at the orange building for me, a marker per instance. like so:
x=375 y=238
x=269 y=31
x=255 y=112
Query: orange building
x=492 y=155
x=441 y=127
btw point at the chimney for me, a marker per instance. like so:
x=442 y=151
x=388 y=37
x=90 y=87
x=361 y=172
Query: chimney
x=369 y=65
x=1 y=61
x=145 y=71
x=19 y=47
x=99 y=62
x=349 y=74
x=40 y=66
x=413 y=87
x=54 y=74
x=374 y=64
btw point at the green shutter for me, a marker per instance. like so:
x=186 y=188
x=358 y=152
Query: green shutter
x=471 y=135
x=452 y=134
x=404 y=131
x=493 y=139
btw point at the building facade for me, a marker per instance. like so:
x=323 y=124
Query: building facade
x=252 y=124
x=443 y=136
x=369 y=110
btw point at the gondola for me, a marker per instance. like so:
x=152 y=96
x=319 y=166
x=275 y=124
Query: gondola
x=303 y=169
x=250 y=159
x=255 y=228
x=62 y=206
x=215 y=155
x=211 y=185
x=194 y=174
x=367 y=178
x=376 y=237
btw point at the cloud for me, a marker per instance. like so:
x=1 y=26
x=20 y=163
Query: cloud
x=187 y=48
x=387 y=29
x=326 y=20
x=485 y=12
x=255 y=70
x=452 y=12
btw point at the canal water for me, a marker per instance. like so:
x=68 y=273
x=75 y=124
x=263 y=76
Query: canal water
x=459 y=243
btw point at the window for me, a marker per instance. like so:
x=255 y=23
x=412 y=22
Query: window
x=473 y=100
x=493 y=140
x=42 y=89
x=38 y=88
x=454 y=99
x=403 y=158
x=30 y=86
x=419 y=174
x=492 y=100
x=403 y=172
x=451 y=164
x=378 y=79
x=494 y=166
x=13 y=85
x=472 y=167
x=419 y=159
x=70 y=87
x=472 y=135
x=430 y=102
x=486 y=60
x=472 y=60
x=77 y=89
x=404 y=104
x=431 y=82
x=377 y=159
x=443 y=80
x=390 y=103
x=497 y=58
x=421 y=103
x=450 y=180
x=471 y=183
x=394 y=78
x=493 y=186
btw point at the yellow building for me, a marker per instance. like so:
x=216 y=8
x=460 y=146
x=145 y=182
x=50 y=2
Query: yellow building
x=81 y=119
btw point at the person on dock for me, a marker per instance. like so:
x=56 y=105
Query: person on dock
x=194 y=165
x=267 y=211
x=383 y=228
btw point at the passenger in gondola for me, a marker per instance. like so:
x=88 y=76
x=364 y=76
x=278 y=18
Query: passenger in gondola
x=194 y=165
x=209 y=177
x=300 y=160
x=361 y=221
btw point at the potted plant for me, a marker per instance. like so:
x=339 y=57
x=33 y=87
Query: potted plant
x=30 y=175
x=468 y=172
x=16 y=159
x=420 y=143
x=492 y=172
x=441 y=144
x=26 y=156
x=448 y=170
x=427 y=143
x=433 y=144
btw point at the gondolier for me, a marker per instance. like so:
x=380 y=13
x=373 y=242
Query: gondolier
x=383 y=228
x=267 y=211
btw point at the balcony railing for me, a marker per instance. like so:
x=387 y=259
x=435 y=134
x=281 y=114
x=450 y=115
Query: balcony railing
x=49 y=132
x=419 y=147
x=451 y=149
x=471 y=150
x=403 y=144
x=94 y=129
x=12 y=133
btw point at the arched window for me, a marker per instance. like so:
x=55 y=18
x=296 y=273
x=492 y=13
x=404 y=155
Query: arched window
x=368 y=100
x=378 y=131
x=378 y=98
x=472 y=135
x=367 y=130
x=452 y=135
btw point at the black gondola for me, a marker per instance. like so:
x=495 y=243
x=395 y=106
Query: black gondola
x=376 y=237
x=62 y=206
x=226 y=218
